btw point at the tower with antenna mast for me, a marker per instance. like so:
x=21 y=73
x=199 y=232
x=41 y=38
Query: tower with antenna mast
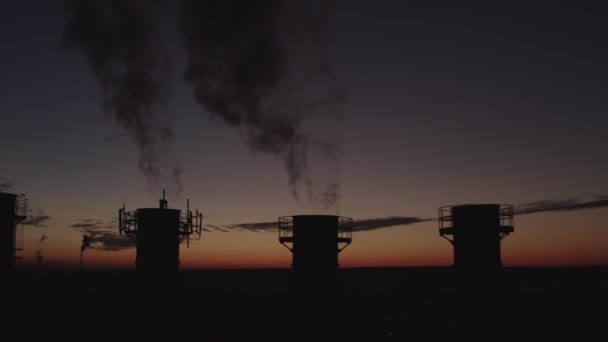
x=158 y=233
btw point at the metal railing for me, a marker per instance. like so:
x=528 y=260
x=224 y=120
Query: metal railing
x=20 y=208
x=345 y=228
x=285 y=227
x=507 y=217
x=446 y=219
x=190 y=226
x=344 y=233
x=127 y=222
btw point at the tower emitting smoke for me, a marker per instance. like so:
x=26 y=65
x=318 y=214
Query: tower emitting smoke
x=259 y=66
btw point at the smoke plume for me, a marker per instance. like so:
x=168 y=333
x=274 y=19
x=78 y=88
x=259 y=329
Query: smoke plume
x=36 y=220
x=101 y=236
x=260 y=66
x=86 y=242
x=125 y=52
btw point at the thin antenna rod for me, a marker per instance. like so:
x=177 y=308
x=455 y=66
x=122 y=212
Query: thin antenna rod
x=163 y=203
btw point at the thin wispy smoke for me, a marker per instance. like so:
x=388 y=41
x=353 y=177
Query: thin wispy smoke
x=569 y=204
x=260 y=66
x=122 y=45
x=386 y=222
x=102 y=236
x=218 y=228
x=358 y=225
x=5 y=185
x=361 y=225
x=39 y=219
x=254 y=227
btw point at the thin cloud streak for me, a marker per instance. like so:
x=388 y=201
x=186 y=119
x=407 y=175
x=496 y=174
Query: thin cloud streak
x=569 y=204
x=358 y=226
x=386 y=222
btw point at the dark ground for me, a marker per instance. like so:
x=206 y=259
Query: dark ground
x=381 y=304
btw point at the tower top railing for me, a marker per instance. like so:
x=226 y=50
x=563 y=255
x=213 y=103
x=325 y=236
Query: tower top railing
x=505 y=214
x=344 y=231
x=190 y=223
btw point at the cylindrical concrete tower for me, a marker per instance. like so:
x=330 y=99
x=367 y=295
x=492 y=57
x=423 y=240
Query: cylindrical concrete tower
x=157 y=233
x=476 y=230
x=11 y=213
x=315 y=241
x=157 y=240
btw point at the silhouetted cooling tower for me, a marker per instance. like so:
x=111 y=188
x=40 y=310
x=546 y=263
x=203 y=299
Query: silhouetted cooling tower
x=476 y=230
x=315 y=241
x=157 y=233
x=12 y=211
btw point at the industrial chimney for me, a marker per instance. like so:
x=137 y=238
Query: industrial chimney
x=476 y=231
x=157 y=233
x=315 y=242
x=12 y=211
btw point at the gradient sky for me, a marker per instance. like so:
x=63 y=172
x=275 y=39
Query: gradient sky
x=445 y=104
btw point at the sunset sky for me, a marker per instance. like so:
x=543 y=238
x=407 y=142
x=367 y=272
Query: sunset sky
x=443 y=104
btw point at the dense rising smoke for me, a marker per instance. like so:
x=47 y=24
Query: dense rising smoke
x=122 y=45
x=256 y=65
x=260 y=66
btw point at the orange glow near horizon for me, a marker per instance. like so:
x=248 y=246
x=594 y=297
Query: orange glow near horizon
x=281 y=258
x=532 y=244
